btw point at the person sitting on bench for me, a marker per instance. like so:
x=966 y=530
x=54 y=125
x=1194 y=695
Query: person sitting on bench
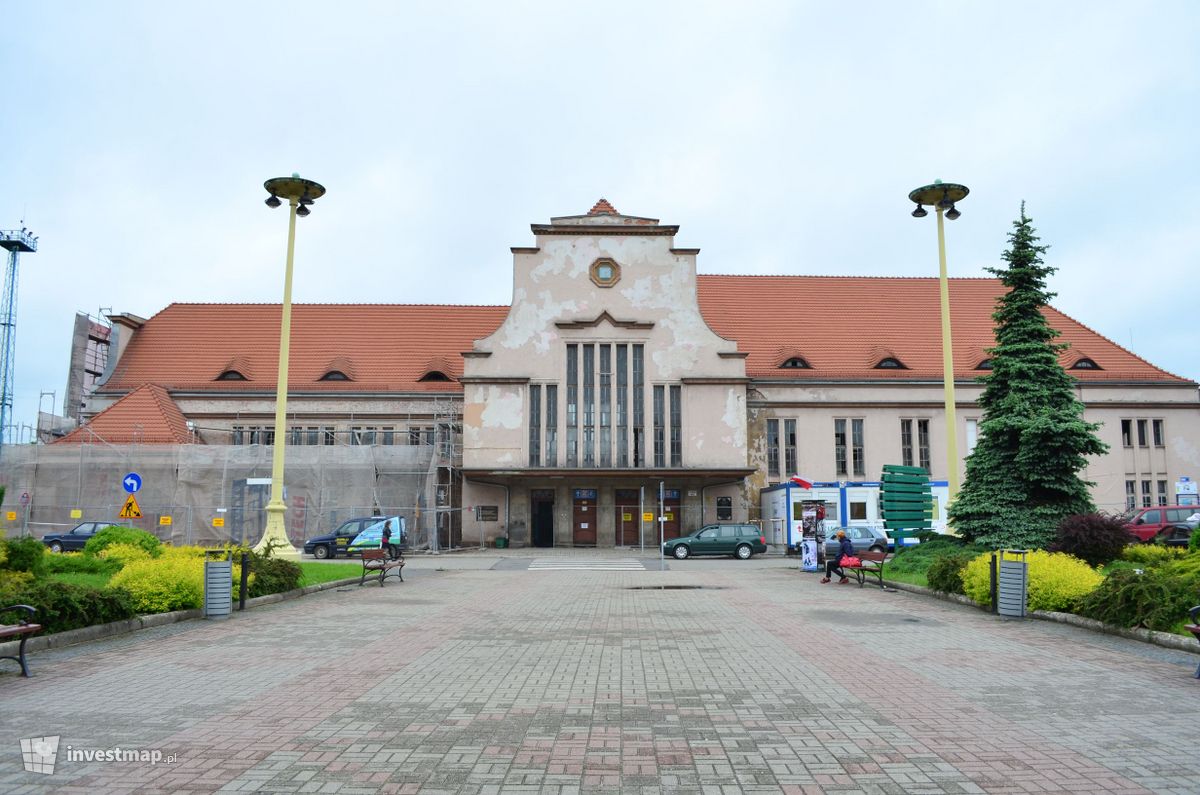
x=845 y=550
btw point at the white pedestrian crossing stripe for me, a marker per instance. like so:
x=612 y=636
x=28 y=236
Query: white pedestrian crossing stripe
x=585 y=564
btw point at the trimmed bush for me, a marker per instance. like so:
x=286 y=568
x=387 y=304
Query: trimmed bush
x=79 y=563
x=12 y=583
x=1194 y=541
x=1151 y=554
x=123 y=535
x=1096 y=538
x=123 y=554
x=62 y=606
x=271 y=575
x=1153 y=599
x=25 y=554
x=946 y=572
x=1057 y=581
x=174 y=581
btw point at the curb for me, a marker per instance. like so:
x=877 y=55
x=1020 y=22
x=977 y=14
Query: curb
x=1165 y=639
x=71 y=637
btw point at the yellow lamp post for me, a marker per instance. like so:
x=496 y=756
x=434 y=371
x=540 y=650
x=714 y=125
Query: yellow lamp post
x=300 y=193
x=942 y=196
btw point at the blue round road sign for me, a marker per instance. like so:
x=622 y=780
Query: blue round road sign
x=132 y=482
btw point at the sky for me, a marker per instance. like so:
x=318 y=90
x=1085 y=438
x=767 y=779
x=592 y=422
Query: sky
x=782 y=137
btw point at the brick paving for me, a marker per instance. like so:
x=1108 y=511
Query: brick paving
x=480 y=676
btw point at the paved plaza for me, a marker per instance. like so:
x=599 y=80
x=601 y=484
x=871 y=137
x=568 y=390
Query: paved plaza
x=480 y=674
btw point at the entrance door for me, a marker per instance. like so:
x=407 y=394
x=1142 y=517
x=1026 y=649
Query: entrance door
x=628 y=517
x=584 y=518
x=671 y=506
x=541 y=502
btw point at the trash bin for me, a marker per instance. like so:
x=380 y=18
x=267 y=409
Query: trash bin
x=1012 y=583
x=218 y=588
x=501 y=542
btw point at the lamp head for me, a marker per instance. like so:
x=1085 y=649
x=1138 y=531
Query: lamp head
x=273 y=201
x=920 y=212
x=303 y=211
x=952 y=213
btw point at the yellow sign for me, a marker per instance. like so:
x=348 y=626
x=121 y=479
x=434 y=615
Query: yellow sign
x=647 y=517
x=76 y=513
x=626 y=517
x=218 y=521
x=130 y=510
x=670 y=517
x=11 y=516
x=164 y=520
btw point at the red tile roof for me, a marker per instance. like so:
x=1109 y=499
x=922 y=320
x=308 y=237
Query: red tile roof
x=841 y=326
x=147 y=415
x=602 y=207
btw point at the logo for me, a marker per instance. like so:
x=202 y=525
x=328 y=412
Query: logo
x=39 y=753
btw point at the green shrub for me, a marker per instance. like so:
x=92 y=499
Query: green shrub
x=1153 y=599
x=1194 y=541
x=11 y=583
x=1151 y=554
x=160 y=586
x=25 y=554
x=62 y=606
x=123 y=535
x=1096 y=538
x=1057 y=581
x=945 y=572
x=123 y=554
x=79 y=563
x=271 y=575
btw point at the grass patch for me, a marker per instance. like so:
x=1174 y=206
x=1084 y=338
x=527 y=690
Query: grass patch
x=316 y=573
x=910 y=577
x=82 y=578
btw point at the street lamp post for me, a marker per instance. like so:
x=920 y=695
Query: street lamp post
x=942 y=196
x=300 y=193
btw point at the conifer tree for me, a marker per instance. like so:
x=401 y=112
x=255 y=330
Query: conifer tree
x=1023 y=476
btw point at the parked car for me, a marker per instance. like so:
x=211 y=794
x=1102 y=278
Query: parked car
x=74 y=539
x=739 y=540
x=1176 y=535
x=1146 y=523
x=338 y=542
x=864 y=539
x=372 y=537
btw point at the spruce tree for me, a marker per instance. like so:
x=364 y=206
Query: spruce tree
x=1023 y=476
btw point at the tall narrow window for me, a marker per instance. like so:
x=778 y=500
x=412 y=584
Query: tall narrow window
x=314 y=436
x=660 y=456
x=789 y=448
x=589 y=405
x=972 y=435
x=1162 y=492
x=856 y=441
x=1127 y=433
x=535 y=425
x=551 y=425
x=1146 y=494
x=906 y=443
x=772 y=448
x=572 y=405
x=923 y=444
x=676 y=426
x=1141 y=428
x=605 y=405
x=839 y=446
x=622 y=406
x=1159 y=439
x=639 y=406
x=1130 y=493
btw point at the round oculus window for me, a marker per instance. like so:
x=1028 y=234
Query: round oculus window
x=605 y=272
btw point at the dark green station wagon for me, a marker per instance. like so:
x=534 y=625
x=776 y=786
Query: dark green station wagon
x=739 y=540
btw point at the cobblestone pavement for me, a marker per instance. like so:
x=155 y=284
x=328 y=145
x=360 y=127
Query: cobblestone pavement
x=477 y=675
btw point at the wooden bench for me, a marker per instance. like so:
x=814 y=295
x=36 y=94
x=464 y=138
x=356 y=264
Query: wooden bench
x=1194 y=628
x=23 y=629
x=378 y=560
x=871 y=566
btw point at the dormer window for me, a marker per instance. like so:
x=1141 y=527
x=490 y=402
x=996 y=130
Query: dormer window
x=435 y=375
x=796 y=363
x=1086 y=364
x=334 y=375
x=986 y=364
x=890 y=363
x=231 y=375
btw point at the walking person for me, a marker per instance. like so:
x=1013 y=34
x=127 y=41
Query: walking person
x=845 y=550
x=386 y=543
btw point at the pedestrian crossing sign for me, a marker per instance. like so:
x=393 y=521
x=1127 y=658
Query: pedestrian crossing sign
x=130 y=510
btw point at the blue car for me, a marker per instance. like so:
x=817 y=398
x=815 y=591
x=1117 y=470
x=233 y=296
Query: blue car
x=339 y=541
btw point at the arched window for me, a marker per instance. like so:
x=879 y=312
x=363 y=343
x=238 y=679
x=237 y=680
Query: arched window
x=1086 y=364
x=435 y=375
x=796 y=363
x=335 y=375
x=231 y=375
x=890 y=363
x=986 y=364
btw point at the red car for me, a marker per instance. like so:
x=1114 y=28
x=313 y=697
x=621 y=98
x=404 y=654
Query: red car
x=1145 y=523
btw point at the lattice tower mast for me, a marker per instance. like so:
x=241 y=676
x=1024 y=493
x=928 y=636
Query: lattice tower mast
x=16 y=243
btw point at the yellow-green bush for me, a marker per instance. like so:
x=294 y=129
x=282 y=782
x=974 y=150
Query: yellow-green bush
x=1057 y=581
x=173 y=581
x=1151 y=554
x=124 y=553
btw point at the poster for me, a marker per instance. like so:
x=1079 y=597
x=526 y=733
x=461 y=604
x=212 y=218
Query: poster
x=808 y=536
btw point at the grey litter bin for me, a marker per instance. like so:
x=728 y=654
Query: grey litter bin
x=218 y=588
x=1012 y=583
